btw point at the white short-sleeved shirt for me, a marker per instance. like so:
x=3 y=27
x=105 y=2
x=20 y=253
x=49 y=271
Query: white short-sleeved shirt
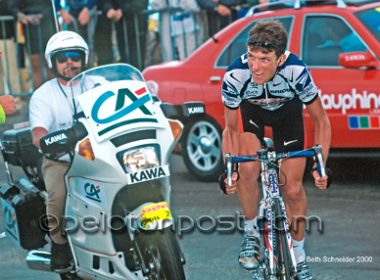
x=52 y=106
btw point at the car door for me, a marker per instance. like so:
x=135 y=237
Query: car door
x=351 y=96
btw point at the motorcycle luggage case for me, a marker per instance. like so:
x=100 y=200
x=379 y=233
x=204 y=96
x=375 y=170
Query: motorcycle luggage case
x=23 y=209
x=18 y=147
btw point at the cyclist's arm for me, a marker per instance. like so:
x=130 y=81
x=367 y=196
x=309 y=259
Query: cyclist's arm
x=230 y=142
x=322 y=129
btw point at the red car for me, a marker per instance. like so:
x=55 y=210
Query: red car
x=338 y=40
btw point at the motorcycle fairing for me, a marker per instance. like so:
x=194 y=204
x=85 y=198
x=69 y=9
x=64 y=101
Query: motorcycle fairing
x=117 y=107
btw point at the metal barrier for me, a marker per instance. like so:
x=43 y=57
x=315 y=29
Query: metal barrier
x=173 y=34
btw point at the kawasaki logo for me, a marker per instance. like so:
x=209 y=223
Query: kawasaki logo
x=196 y=110
x=148 y=174
x=54 y=139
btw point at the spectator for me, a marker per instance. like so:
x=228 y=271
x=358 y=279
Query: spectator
x=7 y=105
x=131 y=25
x=131 y=32
x=8 y=64
x=80 y=16
x=110 y=13
x=153 y=49
x=178 y=28
x=37 y=17
x=219 y=13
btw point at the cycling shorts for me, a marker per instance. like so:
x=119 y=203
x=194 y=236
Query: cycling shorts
x=286 y=123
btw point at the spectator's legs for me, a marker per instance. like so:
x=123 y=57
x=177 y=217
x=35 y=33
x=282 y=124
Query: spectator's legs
x=103 y=41
x=121 y=35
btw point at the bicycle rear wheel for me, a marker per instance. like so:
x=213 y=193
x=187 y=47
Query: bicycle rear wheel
x=285 y=270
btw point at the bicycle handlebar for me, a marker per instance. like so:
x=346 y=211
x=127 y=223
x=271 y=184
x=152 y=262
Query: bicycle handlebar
x=269 y=156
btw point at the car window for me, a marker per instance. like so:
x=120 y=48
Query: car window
x=238 y=44
x=371 y=19
x=325 y=37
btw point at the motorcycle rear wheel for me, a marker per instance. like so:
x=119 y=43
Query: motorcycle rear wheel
x=161 y=255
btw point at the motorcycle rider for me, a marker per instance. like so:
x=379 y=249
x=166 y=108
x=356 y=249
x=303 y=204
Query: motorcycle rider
x=52 y=107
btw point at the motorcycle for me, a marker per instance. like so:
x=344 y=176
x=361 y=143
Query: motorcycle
x=117 y=220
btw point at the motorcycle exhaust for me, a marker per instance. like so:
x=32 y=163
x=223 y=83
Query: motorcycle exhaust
x=39 y=260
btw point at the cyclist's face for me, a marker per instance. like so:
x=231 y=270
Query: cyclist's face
x=263 y=66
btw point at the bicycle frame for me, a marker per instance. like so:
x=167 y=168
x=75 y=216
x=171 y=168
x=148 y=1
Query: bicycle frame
x=269 y=213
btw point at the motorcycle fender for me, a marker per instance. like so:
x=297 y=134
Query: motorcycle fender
x=149 y=217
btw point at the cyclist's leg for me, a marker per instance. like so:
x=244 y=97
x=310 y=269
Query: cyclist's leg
x=288 y=135
x=253 y=127
x=247 y=190
x=294 y=194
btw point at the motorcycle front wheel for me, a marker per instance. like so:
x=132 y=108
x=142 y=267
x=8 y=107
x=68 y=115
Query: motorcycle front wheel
x=161 y=254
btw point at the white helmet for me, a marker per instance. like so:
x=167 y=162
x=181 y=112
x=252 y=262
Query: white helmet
x=62 y=41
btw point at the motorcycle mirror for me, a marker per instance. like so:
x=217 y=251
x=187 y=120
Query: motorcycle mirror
x=169 y=111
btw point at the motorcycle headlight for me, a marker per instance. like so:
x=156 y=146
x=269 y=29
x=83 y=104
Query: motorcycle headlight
x=140 y=159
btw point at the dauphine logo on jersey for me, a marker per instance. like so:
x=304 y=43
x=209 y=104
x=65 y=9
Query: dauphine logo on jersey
x=117 y=105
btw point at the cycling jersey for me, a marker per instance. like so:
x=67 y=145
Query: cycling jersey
x=291 y=80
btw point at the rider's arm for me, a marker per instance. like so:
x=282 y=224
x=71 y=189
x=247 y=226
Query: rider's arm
x=230 y=143
x=322 y=129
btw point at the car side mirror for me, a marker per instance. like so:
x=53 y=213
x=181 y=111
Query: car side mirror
x=357 y=60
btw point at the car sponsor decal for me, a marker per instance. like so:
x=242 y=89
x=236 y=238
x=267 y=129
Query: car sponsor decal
x=154 y=213
x=363 y=122
x=148 y=174
x=351 y=101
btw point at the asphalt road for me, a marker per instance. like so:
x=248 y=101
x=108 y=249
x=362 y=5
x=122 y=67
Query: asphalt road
x=346 y=248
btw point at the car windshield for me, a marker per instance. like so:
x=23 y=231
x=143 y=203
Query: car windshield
x=104 y=74
x=371 y=19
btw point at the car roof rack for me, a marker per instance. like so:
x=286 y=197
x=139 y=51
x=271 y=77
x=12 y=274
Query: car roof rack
x=297 y=4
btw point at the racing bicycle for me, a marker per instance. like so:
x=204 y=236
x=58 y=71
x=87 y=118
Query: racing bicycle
x=278 y=259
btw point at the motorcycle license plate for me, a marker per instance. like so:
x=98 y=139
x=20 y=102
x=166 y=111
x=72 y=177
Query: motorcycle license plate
x=155 y=213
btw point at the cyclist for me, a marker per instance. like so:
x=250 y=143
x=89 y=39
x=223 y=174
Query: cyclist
x=270 y=86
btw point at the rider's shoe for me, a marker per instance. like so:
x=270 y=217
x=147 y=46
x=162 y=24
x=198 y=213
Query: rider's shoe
x=249 y=255
x=60 y=256
x=303 y=271
x=258 y=274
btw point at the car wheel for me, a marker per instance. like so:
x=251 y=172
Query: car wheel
x=201 y=148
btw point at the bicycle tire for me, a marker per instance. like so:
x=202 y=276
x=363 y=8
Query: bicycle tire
x=285 y=267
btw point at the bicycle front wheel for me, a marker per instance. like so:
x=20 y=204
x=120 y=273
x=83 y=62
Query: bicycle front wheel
x=285 y=268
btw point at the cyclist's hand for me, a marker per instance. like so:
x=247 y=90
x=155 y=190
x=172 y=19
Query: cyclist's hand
x=223 y=184
x=322 y=183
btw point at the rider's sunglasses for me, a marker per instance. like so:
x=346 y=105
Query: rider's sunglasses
x=62 y=57
x=262 y=44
